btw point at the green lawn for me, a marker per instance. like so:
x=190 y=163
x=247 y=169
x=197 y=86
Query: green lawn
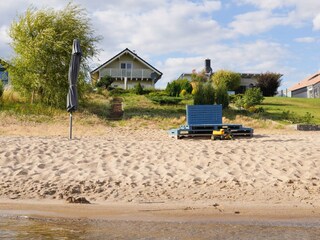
x=276 y=106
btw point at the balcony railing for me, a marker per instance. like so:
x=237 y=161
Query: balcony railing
x=129 y=73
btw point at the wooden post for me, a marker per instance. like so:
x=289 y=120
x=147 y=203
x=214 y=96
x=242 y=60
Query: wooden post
x=70 y=130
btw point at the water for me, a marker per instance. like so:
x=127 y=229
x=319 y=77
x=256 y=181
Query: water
x=13 y=227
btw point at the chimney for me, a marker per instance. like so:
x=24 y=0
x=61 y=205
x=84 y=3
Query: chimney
x=208 y=68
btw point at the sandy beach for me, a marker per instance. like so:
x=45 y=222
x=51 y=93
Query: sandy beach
x=275 y=173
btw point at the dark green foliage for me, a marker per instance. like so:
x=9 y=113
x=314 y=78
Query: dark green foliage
x=175 y=87
x=204 y=94
x=209 y=94
x=42 y=42
x=222 y=96
x=105 y=82
x=1 y=88
x=269 y=83
x=198 y=97
x=138 y=89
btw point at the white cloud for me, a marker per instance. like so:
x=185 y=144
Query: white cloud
x=316 y=22
x=294 y=12
x=4 y=42
x=4 y=37
x=171 y=27
x=306 y=39
x=256 y=22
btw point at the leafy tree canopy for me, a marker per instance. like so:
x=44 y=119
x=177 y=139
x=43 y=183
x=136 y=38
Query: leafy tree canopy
x=269 y=83
x=105 y=82
x=42 y=42
x=230 y=79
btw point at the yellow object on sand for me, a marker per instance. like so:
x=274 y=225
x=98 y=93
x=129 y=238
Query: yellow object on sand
x=222 y=134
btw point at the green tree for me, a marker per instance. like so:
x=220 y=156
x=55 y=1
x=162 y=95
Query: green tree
x=42 y=42
x=229 y=78
x=173 y=89
x=138 y=89
x=105 y=82
x=222 y=96
x=204 y=94
x=269 y=83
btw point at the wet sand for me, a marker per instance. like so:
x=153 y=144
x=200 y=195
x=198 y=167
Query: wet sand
x=53 y=219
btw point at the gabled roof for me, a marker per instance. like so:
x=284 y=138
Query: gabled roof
x=311 y=80
x=134 y=55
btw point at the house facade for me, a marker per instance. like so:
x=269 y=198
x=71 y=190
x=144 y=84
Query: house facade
x=127 y=69
x=307 y=88
x=248 y=80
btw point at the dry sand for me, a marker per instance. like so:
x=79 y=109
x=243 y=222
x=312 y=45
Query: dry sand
x=273 y=170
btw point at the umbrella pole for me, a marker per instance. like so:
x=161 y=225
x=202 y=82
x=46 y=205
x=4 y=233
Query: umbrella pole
x=70 y=131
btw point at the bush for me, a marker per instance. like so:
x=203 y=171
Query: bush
x=232 y=98
x=138 y=89
x=204 y=94
x=252 y=97
x=183 y=93
x=175 y=87
x=222 y=96
x=292 y=117
x=308 y=118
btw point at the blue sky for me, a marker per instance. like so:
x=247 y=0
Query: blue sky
x=176 y=36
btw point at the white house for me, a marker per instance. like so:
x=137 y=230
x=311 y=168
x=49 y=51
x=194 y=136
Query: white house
x=307 y=88
x=127 y=69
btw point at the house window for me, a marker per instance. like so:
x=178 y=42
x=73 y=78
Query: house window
x=126 y=69
x=125 y=65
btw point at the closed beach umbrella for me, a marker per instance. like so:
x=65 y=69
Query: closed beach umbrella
x=72 y=98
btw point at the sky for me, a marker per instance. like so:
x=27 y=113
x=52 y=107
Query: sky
x=176 y=36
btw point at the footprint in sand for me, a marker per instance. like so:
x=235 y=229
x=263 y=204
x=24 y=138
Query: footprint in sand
x=41 y=166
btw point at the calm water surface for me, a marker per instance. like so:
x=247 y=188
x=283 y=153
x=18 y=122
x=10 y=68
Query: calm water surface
x=12 y=227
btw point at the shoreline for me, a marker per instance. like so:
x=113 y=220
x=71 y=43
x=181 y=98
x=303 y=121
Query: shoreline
x=162 y=212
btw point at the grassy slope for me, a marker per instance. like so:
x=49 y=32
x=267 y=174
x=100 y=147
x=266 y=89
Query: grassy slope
x=275 y=106
x=141 y=112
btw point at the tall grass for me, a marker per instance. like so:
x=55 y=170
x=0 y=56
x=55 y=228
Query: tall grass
x=139 y=111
